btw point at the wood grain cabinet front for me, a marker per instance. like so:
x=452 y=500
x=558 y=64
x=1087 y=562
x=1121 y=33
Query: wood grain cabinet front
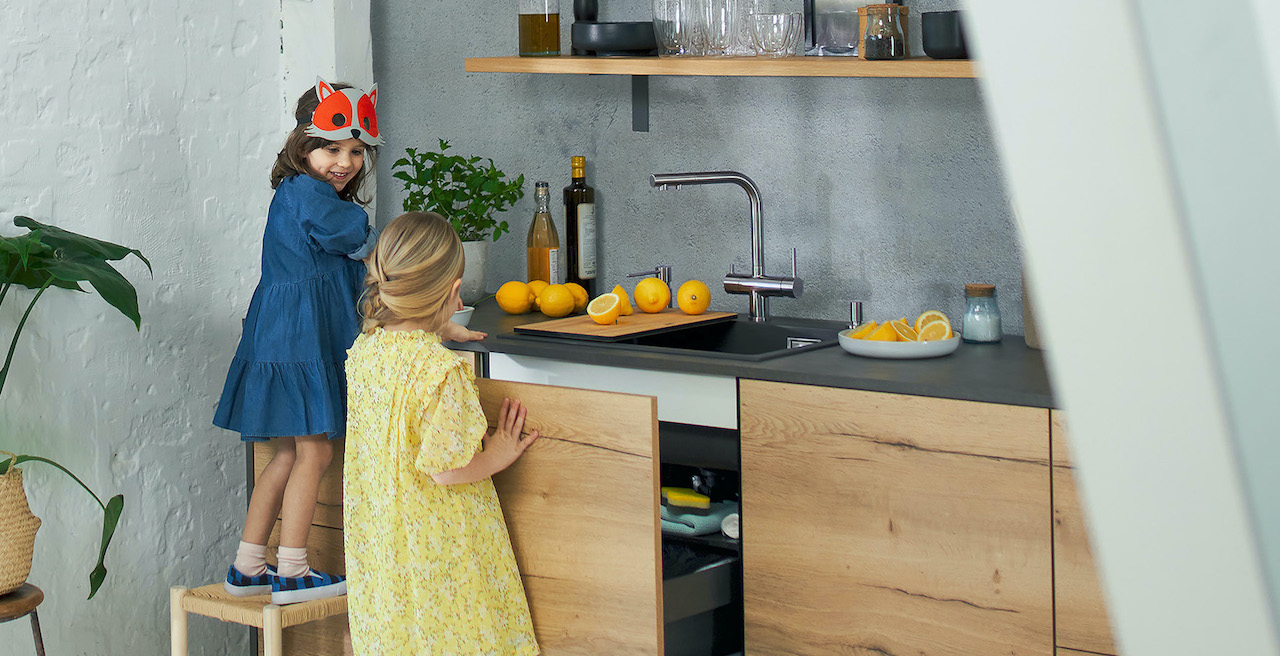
x=1082 y=622
x=581 y=506
x=886 y=524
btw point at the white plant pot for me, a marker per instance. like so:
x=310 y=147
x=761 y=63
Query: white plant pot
x=473 y=277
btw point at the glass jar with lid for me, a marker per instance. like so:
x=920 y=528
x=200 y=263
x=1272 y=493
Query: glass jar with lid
x=884 y=36
x=982 y=315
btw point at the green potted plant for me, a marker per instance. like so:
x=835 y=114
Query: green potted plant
x=48 y=256
x=468 y=191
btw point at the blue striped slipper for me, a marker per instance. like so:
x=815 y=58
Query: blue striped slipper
x=242 y=585
x=317 y=585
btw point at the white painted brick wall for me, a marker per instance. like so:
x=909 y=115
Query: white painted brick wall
x=152 y=124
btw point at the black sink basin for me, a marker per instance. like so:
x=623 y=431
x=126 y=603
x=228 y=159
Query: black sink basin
x=742 y=339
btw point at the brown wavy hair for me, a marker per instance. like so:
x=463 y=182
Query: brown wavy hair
x=411 y=272
x=292 y=159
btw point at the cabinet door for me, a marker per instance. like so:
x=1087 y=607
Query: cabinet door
x=888 y=524
x=1081 y=612
x=582 y=509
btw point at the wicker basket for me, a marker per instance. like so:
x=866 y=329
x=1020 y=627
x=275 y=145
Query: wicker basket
x=17 y=529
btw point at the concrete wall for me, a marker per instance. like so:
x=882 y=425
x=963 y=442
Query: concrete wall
x=151 y=124
x=888 y=188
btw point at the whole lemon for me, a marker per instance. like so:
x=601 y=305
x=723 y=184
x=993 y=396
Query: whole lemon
x=693 y=297
x=556 y=301
x=580 y=297
x=652 y=295
x=537 y=286
x=514 y=297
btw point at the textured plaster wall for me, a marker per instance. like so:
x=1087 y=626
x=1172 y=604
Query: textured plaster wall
x=889 y=188
x=152 y=124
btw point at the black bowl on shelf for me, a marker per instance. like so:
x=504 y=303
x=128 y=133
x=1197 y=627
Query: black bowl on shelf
x=625 y=39
x=942 y=34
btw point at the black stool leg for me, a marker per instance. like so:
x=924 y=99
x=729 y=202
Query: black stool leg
x=35 y=632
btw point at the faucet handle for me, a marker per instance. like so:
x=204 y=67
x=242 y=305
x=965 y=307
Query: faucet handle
x=661 y=272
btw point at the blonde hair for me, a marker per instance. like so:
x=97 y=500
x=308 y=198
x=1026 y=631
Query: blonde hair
x=411 y=271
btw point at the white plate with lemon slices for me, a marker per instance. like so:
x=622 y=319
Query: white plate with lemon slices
x=905 y=344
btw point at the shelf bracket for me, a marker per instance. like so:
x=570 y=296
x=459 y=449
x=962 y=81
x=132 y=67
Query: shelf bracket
x=639 y=103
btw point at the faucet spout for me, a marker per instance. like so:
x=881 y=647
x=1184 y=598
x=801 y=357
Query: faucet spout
x=758 y=287
x=661 y=180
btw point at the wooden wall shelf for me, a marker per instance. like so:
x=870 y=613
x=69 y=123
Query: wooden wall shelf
x=916 y=67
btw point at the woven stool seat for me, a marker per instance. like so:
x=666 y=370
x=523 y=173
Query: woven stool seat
x=214 y=601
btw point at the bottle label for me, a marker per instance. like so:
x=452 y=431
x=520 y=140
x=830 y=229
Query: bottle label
x=587 y=240
x=556 y=275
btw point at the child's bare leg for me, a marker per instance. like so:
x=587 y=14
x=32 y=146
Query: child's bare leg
x=268 y=493
x=314 y=452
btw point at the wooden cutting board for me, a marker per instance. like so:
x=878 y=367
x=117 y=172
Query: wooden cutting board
x=637 y=324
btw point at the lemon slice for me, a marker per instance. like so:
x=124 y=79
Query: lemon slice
x=905 y=333
x=935 y=330
x=604 y=309
x=929 y=316
x=863 y=330
x=885 y=333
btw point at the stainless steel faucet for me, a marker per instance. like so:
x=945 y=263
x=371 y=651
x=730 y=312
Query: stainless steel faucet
x=758 y=286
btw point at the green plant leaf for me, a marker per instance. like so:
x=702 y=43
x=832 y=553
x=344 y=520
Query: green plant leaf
x=74 y=243
x=114 y=288
x=111 y=518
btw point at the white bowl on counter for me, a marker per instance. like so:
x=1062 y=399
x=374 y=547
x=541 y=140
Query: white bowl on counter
x=898 y=350
x=463 y=317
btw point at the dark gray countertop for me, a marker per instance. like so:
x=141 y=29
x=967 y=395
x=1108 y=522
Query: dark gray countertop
x=1007 y=372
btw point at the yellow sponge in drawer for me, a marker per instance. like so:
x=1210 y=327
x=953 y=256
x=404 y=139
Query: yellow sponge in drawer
x=684 y=497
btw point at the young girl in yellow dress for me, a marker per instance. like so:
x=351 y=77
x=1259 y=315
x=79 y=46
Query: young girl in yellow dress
x=430 y=569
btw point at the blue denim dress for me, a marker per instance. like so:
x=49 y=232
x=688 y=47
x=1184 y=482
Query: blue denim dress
x=287 y=377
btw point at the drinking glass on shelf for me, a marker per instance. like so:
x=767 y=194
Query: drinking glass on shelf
x=719 y=26
x=743 y=43
x=778 y=34
x=679 y=27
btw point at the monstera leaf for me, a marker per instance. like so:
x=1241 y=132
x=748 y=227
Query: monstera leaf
x=48 y=256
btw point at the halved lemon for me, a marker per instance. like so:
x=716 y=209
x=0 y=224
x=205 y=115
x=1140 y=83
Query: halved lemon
x=929 y=316
x=905 y=333
x=863 y=330
x=623 y=299
x=604 y=309
x=934 y=330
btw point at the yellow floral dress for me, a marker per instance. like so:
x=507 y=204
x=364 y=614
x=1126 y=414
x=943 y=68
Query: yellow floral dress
x=430 y=571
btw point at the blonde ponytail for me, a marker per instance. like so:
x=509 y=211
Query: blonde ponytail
x=411 y=272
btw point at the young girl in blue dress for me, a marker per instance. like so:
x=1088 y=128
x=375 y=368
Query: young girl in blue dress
x=286 y=382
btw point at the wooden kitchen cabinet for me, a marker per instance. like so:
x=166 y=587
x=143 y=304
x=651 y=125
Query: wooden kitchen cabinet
x=1082 y=621
x=882 y=523
x=581 y=506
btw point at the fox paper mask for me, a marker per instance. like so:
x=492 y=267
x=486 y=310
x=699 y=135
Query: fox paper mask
x=345 y=114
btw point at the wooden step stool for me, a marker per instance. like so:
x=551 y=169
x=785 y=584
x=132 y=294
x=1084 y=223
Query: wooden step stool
x=258 y=611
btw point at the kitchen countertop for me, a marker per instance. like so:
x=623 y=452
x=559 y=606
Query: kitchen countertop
x=1008 y=372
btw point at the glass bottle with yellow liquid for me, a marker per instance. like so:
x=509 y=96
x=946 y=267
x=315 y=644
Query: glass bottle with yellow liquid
x=543 y=245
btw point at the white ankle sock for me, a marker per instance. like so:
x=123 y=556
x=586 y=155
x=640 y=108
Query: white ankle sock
x=251 y=559
x=291 y=562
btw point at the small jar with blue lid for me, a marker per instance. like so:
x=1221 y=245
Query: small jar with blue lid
x=981 y=323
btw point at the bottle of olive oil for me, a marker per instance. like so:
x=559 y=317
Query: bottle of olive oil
x=580 y=228
x=543 y=244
